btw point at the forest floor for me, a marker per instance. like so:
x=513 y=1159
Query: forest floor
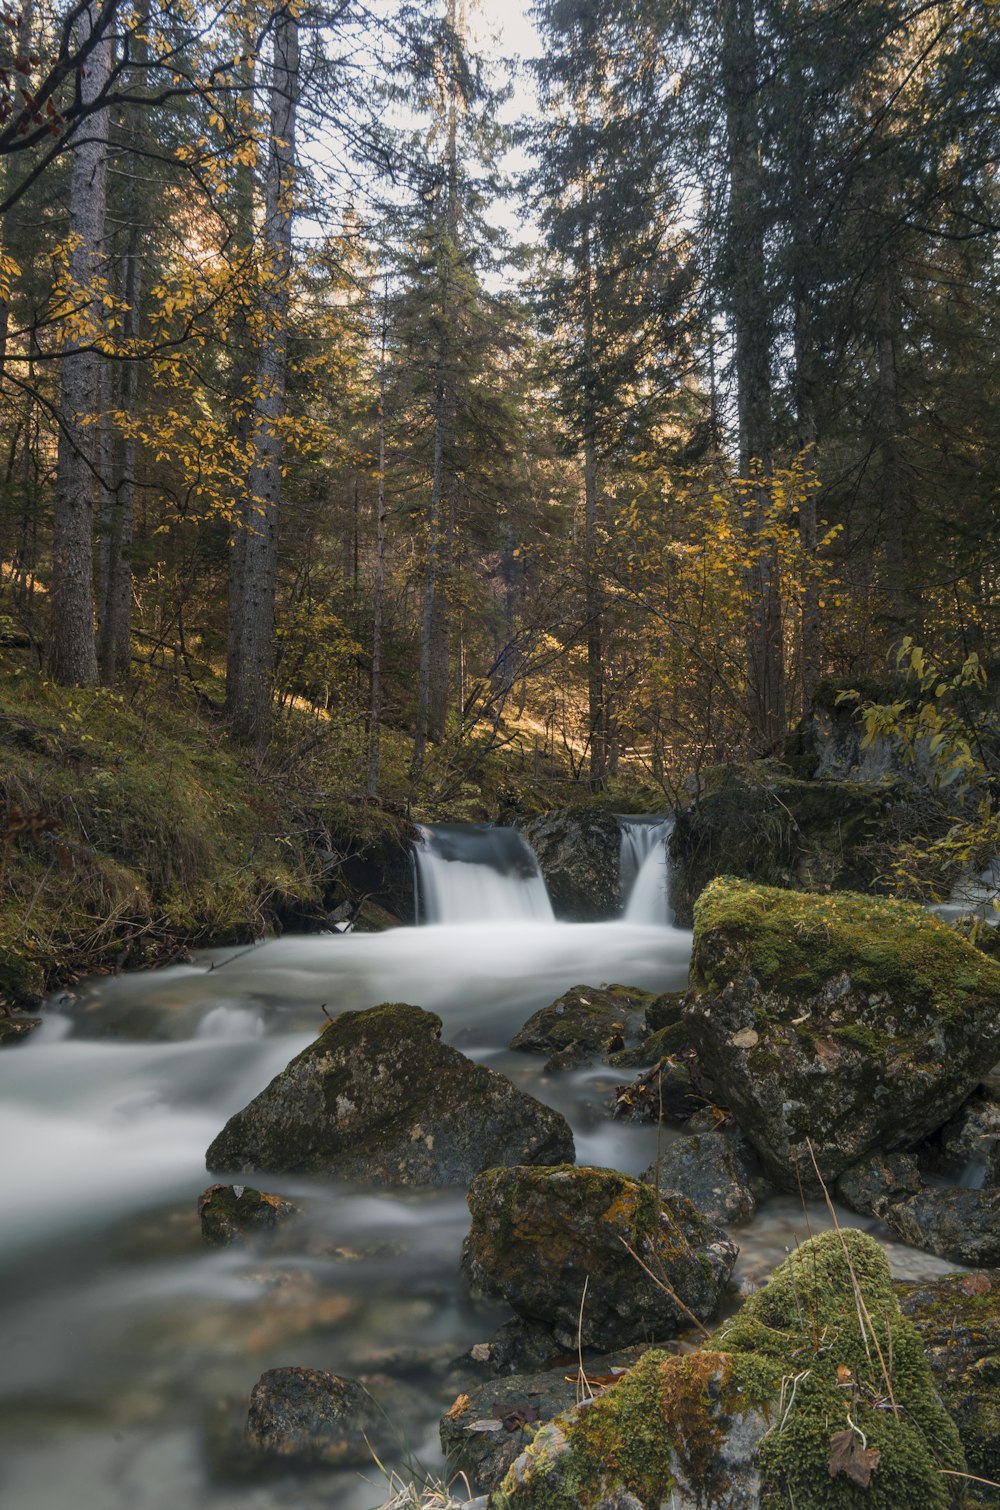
x=131 y=827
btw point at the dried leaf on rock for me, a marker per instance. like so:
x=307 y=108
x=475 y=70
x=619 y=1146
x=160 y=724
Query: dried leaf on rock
x=849 y=1456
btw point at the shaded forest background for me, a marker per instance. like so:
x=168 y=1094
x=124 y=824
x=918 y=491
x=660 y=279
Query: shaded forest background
x=296 y=432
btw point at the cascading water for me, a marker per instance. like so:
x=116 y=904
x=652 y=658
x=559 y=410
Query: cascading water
x=472 y=873
x=121 y=1333
x=645 y=873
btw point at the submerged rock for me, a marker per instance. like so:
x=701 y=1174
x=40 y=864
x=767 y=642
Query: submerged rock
x=586 y=1018
x=958 y=1319
x=541 y=1237
x=305 y=1416
x=378 y=1097
x=878 y=1181
x=954 y=1222
x=710 y=1170
x=843 y=1023
x=238 y=1213
x=579 y=852
x=787 y=1405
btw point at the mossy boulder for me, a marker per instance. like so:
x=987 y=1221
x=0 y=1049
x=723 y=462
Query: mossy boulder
x=589 y=1018
x=710 y=1170
x=958 y=1319
x=838 y=1024
x=579 y=852
x=760 y=822
x=378 y=1097
x=540 y=1236
x=759 y=1418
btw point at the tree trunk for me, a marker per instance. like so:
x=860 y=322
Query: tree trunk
x=72 y=651
x=752 y=322
x=375 y=718
x=894 y=509
x=251 y=705
x=242 y=420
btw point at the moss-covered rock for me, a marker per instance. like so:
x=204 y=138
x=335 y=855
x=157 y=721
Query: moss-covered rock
x=806 y=1379
x=540 y=1236
x=579 y=851
x=958 y=1319
x=844 y=1022
x=378 y=1097
x=588 y=1017
x=760 y=822
x=237 y=1214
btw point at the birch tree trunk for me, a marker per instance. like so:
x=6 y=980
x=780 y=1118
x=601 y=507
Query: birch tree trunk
x=72 y=650
x=251 y=702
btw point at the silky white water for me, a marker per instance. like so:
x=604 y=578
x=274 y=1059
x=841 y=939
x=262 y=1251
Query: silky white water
x=645 y=870
x=120 y=1334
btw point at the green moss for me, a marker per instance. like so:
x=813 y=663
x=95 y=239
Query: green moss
x=797 y=942
x=798 y=1356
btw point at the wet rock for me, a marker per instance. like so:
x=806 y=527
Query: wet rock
x=669 y=1092
x=965 y=1146
x=579 y=851
x=665 y=1043
x=877 y=1182
x=378 y=1097
x=15 y=1030
x=665 y=1011
x=958 y=1319
x=585 y=1018
x=522 y=1347
x=848 y=1023
x=721 y=1428
x=238 y=1213
x=954 y=1222
x=709 y=1169
x=991 y=1177
x=759 y=822
x=491 y=1425
x=539 y=1236
x=306 y=1417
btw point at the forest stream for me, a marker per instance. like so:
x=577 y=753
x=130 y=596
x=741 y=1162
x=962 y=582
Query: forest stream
x=121 y=1333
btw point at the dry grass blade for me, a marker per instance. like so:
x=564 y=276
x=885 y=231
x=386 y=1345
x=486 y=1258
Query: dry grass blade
x=865 y=1322
x=583 y=1389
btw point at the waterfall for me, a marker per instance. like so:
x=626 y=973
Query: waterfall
x=645 y=876
x=472 y=873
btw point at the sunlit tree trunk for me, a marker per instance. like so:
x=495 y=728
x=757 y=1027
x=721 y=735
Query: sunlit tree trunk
x=378 y=605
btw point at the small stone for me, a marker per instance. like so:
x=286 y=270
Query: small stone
x=238 y=1213
x=307 y=1417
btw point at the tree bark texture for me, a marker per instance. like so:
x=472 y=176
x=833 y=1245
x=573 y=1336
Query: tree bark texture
x=751 y=320
x=251 y=704
x=73 y=651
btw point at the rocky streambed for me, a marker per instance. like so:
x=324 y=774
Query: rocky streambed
x=213 y=1350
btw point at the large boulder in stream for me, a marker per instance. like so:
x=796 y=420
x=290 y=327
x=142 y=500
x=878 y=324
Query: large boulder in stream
x=836 y=1025
x=378 y=1097
x=579 y=852
x=600 y=1257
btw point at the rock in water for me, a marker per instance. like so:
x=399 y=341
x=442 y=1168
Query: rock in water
x=710 y=1170
x=954 y=1222
x=309 y=1417
x=538 y=1236
x=759 y=1417
x=958 y=1318
x=844 y=1022
x=378 y=1097
x=591 y=1017
x=238 y=1214
x=15 y=1030
x=579 y=852
x=880 y=1180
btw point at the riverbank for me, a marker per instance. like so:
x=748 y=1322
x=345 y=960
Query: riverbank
x=131 y=829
